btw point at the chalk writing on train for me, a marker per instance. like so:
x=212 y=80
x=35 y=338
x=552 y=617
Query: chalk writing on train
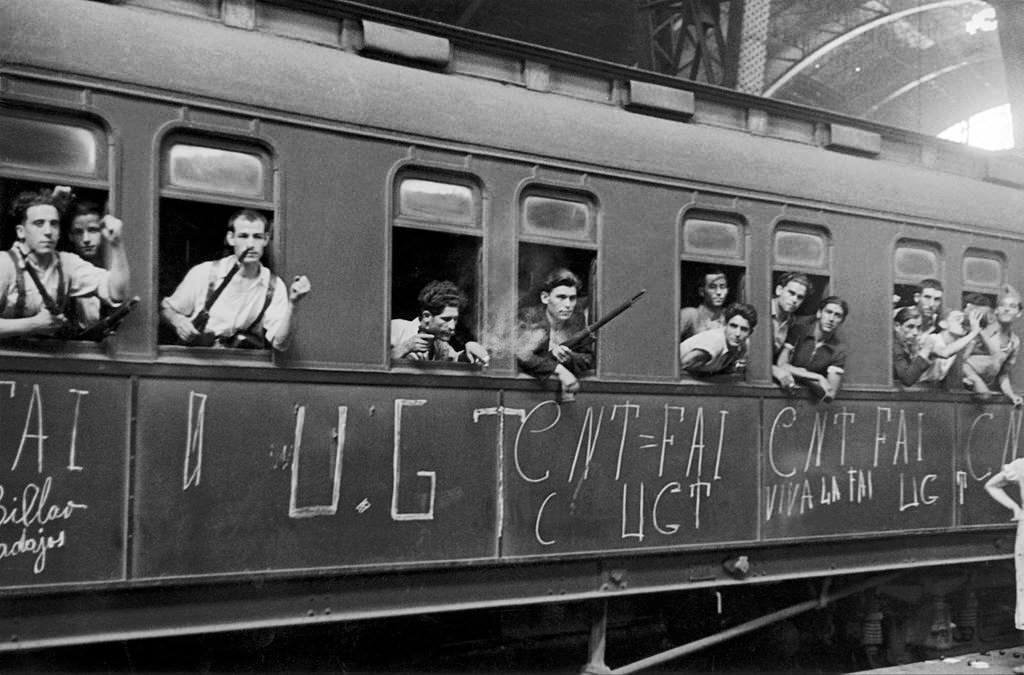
x=33 y=515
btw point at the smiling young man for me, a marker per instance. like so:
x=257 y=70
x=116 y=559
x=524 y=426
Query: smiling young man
x=65 y=278
x=428 y=336
x=235 y=301
x=720 y=350
x=813 y=354
x=544 y=328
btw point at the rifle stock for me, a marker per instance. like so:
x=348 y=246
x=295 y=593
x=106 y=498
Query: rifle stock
x=579 y=337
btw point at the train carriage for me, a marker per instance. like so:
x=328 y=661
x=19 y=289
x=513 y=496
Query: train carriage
x=154 y=489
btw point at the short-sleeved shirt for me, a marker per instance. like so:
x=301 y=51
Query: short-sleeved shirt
x=83 y=281
x=238 y=306
x=713 y=343
x=694 y=320
x=828 y=356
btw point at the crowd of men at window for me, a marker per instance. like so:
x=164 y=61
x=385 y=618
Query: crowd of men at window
x=47 y=292
x=236 y=301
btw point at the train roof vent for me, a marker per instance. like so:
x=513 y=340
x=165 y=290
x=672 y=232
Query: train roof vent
x=1005 y=170
x=851 y=139
x=404 y=45
x=659 y=100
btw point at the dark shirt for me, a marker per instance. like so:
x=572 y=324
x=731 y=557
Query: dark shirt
x=907 y=367
x=533 y=346
x=817 y=358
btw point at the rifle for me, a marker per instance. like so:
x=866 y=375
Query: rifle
x=578 y=338
x=108 y=325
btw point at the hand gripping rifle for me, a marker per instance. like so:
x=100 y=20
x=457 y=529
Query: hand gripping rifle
x=579 y=337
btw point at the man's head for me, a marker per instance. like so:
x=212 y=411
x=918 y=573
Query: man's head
x=440 y=303
x=37 y=220
x=791 y=291
x=928 y=298
x=85 y=232
x=740 y=320
x=907 y=324
x=714 y=288
x=1008 y=308
x=955 y=321
x=248 y=230
x=559 y=294
x=832 y=311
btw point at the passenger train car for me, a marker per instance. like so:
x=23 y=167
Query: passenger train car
x=153 y=489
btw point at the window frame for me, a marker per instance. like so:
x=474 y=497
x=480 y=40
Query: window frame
x=474 y=230
x=100 y=179
x=525 y=234
x=249 y=146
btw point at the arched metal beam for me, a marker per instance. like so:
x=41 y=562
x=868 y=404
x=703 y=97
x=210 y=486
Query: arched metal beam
x=850 y=35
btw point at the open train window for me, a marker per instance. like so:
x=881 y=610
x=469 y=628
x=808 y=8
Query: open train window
x=712 y=276
x=917 y=279
x=435 y=289
x=983 y=273
x=204 y=181
x=558 y=235
x=807 y=250
x=39 y=151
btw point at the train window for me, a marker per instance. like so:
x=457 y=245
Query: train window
x=984 y=273
x=914 y=263
x=57 y=147
x=561 y=217
x=203 y=183
x=712 y=276
x=435 y=289
x=435 y=201
x=704 y=237
x=805 y=250
x=211 y=169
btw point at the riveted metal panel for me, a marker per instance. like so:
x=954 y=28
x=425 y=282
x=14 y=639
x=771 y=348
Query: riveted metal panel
x=610 y=472
x=235 y=477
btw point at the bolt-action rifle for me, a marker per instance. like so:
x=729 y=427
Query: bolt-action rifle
x=578 y=338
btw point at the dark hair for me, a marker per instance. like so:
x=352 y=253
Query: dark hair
x=560 y=277
x=978 y=299
x=248 y=214
x=929 y=283
x=835 y=300
x=26 y=200
x=798 y=277
x=742 y=309
x=437 y=295
x=84 y=209
x=713 y=272
x=905 y=314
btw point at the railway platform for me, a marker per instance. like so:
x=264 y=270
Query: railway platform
x=992 y=661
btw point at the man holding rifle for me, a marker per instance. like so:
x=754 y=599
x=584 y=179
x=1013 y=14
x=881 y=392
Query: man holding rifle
x=41 y=289
x=543 y=331
x=235 y=301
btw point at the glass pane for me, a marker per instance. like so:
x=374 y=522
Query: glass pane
x=436 y=201
x=48 y=146
x=712 y=237
x=556 y=216
x=199 y=167
x=801 y=249
x=983 y=271
x=916 y=262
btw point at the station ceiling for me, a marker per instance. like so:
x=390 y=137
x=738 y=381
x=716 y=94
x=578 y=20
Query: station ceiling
x=921 y=65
